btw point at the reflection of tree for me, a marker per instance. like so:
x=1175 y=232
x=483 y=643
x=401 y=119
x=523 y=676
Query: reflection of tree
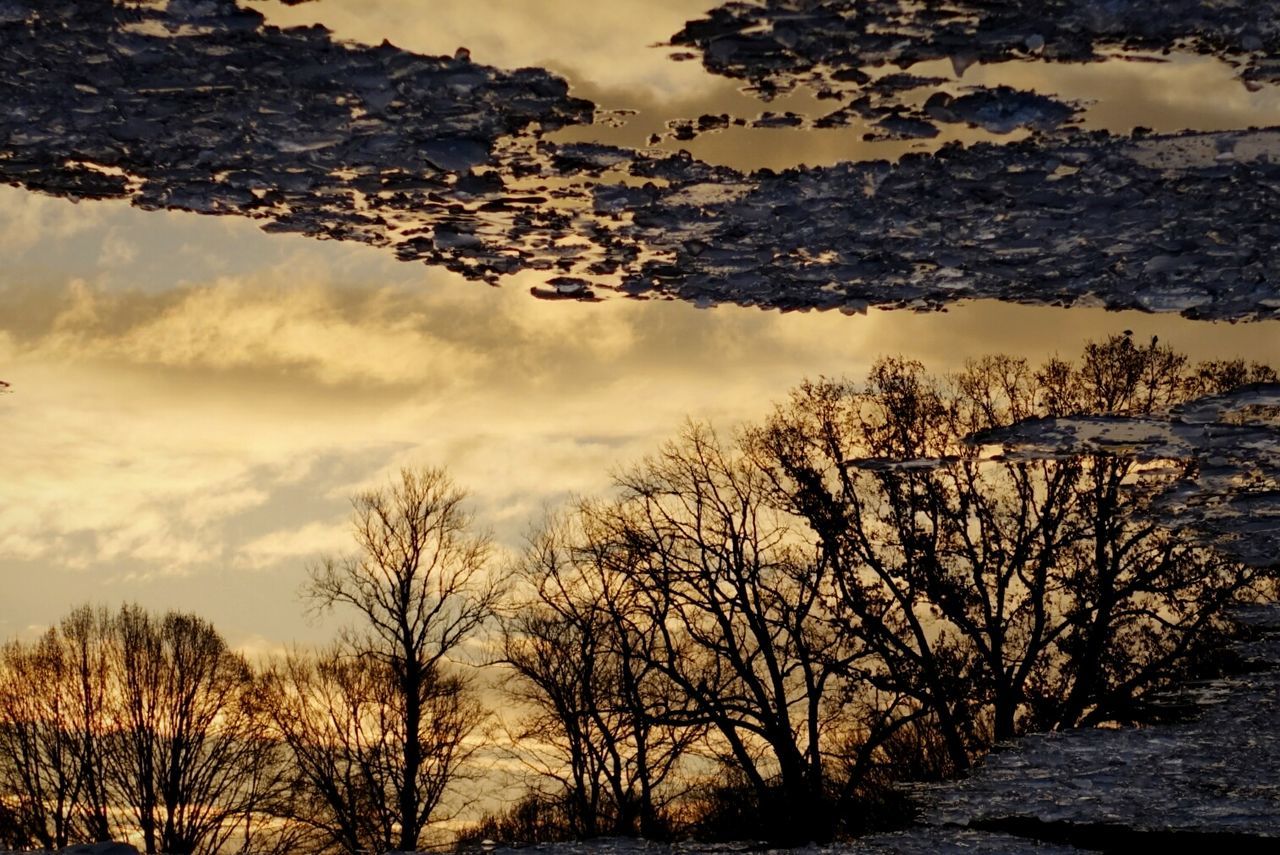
x=344 y=720
x=752 y=635
x=581 y=650
x=379 y=724
x=741 y=609
x=131 y=721
x=1002 y=595
x=709 y=623
x=46 y=731
x=852 y=590
x=187 y=730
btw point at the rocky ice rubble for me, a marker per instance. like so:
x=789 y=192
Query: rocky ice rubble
x=1179 y=223
x=856 y=55
x=197 y=105
x=1231 y=499
x=830 y=45
x=997 y=110
x=1210 y=780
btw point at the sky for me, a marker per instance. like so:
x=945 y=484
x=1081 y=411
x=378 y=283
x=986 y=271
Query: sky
x=195 y=400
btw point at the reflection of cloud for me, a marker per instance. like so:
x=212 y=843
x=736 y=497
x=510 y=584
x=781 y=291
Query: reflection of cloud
x=609 y=43
x=117 y=251
x=254 y=324
x=1179 y=92
x=311 y=540
x=193 y=445
x=259 y=648
x=28 y=218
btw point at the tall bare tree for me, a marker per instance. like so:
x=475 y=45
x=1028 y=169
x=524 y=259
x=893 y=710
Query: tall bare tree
x=420 y=588
x=742 y=612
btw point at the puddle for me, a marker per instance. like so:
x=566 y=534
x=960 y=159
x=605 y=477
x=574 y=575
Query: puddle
x=193 y=399
x=615 y=56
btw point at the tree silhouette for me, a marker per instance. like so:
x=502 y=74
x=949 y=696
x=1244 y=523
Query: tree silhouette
x=394 y=713
x=581 y=650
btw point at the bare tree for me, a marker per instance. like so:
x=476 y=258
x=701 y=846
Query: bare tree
x=742 y=612
x=85 y=634
x=186 y=751
x=37 y=758
x=129 y=714
x=343 y=719
x=581 y=653
x=52 y=696
x=421 y=587
x=999 y=594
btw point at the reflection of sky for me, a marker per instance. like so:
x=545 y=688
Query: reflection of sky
x=612 y=53
x=196 y=399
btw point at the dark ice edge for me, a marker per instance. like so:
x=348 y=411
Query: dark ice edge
x=204 y=108
x=829 y=44
x=1231 y=499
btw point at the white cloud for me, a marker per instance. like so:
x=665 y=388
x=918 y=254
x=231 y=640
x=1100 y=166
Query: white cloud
x=26 y=219
x=315 y=539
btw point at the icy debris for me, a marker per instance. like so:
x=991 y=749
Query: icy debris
x=1093 y=218
x=852 y=52
x=1000 y=110
x=1230 y=500
x=439 y=159
x=15 y=11
x=1211 y=780
x=196 y=104
x=950 y=841
x=830 y=45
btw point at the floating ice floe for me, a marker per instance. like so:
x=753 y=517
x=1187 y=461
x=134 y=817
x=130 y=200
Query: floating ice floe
x=1230 y=502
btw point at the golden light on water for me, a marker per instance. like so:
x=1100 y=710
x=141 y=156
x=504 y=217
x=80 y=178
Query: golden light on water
x=195 y=400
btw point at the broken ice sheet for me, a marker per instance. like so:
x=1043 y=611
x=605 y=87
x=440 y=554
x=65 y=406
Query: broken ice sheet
x=200 y=106
x=879 y=59
x=1089 y=218
x=1230 y=501
x=837 y=45
x=1214 y=777
x=197 y=104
